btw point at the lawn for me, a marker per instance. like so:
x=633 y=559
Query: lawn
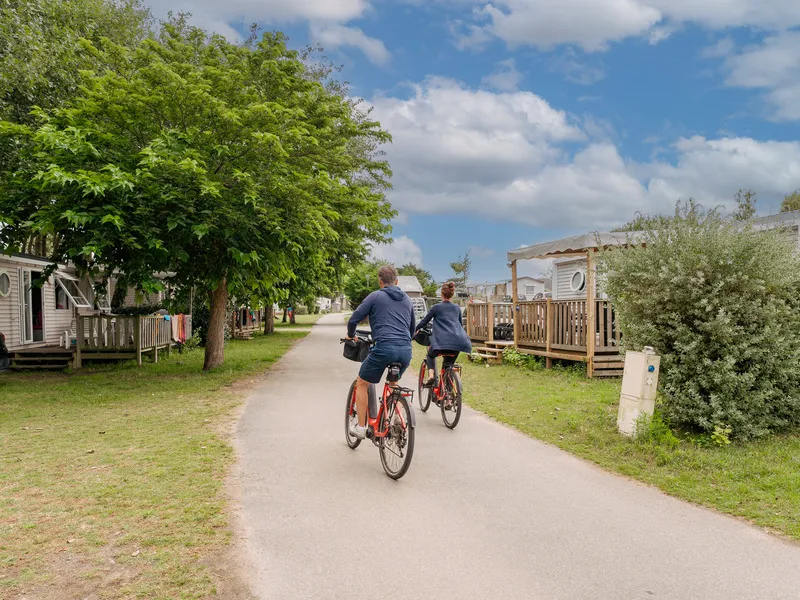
x=759 y=482
x=111 y=479
x=301 y=321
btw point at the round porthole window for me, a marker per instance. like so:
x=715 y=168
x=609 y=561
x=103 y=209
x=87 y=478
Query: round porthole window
x=578 y=283
x=5 y=284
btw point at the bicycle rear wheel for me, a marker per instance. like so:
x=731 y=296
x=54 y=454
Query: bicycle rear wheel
x=424 y=392
x=397 y=447
x=351 y=415
x=451 y=403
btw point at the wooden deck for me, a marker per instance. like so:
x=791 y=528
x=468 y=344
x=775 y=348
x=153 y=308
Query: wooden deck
x=551 y=329
x=104 y=338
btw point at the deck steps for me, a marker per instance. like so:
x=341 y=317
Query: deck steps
x=34 y=360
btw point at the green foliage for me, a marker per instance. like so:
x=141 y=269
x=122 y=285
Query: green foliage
x=41 y=54
x=721 y=304
x=745 y=205
x=461 y=268
x=654 y=430
x=426 y=280
x=301 y=310
x=233 y=167
x=361 y=282
x=143 y=309
x=520 y=359
x=791 y=202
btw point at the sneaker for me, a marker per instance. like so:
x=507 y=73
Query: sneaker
x=357 y=431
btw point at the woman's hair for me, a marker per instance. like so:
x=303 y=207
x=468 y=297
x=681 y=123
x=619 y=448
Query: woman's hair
x=448 y=289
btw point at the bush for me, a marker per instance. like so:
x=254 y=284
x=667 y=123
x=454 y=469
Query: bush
x=520 y=359
x=143 y=309
x=721 y=303
x=301 y=310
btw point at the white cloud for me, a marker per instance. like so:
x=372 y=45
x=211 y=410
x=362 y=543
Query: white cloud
x=336 y=36
x=721 y=49
x=594 y=24
x=400 y=251
x=576 y=71
x=505 y=78
x=508 y=156
x=267 y=11
x=774 y=66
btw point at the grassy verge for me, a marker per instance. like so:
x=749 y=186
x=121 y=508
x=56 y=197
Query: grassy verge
x=301 y=321
x=760 y=481
x=111 y=479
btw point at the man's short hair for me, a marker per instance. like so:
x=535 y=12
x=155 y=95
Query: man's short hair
x=387 y=275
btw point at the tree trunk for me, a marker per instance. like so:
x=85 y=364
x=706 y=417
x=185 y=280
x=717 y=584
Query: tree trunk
x=294 y=312
x=269 y=320
x=215 y=339
x=284 y=314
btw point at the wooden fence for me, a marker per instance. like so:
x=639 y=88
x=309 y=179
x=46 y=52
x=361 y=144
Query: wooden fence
x=124 y=337
x=551 y=328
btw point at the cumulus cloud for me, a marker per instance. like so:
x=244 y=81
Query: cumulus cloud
x=774 y=66
x=327 y=19
x=505 y=78
x=337 y=36
x=511 y=156
x=594 y=24
x=400 y=251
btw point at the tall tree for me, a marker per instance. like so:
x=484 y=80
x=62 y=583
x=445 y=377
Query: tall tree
x=461 y=268
x=791 y=202
x=225 y=165
x=41 y=53
x=745 y=205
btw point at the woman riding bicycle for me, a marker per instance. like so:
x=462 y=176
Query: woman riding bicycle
x=448 y=335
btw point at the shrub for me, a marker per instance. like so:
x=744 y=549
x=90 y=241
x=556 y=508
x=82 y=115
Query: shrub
x=142 y=309
x=301 y=310
x=721 y=303
x=520 y=359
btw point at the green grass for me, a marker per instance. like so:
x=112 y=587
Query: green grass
x=301 y=321
x=111 y=478
x=759 y=482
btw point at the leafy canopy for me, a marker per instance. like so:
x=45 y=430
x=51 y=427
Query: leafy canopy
x=721 y=303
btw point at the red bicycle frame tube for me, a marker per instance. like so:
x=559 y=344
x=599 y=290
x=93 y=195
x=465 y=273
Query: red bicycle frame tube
x=387 y=390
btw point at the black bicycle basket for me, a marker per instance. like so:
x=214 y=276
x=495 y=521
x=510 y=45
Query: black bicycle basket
x=423 y=336
x=356 y=350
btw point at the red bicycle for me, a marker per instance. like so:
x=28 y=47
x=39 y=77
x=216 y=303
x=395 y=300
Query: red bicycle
x=445 y=391
x=390 y=424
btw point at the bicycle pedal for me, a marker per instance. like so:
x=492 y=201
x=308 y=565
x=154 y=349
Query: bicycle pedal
x=370 y=433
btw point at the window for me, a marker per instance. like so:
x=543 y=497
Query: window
x=72 y=291
x=578 y=282
x=5 y=284
x=62 y=300
x=530 y=290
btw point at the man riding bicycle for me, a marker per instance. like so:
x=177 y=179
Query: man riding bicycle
x=391 y=319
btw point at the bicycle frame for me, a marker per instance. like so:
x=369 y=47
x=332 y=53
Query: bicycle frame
x=438 y=389
x=384 y=408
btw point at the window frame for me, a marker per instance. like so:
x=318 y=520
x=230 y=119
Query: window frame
x=8 y=276
x=81 y=301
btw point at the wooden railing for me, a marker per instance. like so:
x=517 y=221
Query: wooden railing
x=551 y=325
x=118 y=336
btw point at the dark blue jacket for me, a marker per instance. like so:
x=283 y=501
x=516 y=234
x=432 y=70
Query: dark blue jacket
x=391 y=316
x=448 y=332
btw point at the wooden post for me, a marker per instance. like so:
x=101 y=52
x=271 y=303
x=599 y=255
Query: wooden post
x=79 y=341
x=490 y=318
x=591 y=314
x=469 y=315
x=515 y=309
x=137 y=338
x=549 y=333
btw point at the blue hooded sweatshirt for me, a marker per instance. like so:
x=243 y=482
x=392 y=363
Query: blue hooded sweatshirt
x=391 y=316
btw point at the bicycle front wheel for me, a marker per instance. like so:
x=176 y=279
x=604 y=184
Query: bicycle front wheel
x=424 y=395
x=451 y=403
x=351 y=416
x=397 y=447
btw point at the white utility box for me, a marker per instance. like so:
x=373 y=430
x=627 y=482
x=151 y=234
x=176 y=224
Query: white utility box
x=639 y=385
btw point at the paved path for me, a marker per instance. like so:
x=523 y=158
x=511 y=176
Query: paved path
x=483 y=513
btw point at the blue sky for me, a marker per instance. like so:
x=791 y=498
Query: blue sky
x=520 y=121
